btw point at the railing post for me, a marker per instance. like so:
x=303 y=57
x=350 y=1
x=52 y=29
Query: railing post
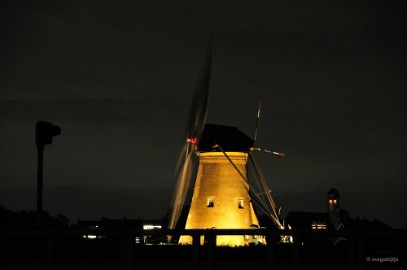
x=296 y=259
x=270 y=250
x=1 y=249
x=195 y=247
x=351 y=251
x=51 y=260
x=360 y=252
x=126 y=258
x=211 y=245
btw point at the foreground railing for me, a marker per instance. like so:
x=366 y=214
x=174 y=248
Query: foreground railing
x=128 y=249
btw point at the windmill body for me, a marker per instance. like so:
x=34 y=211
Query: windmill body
x=221 y=194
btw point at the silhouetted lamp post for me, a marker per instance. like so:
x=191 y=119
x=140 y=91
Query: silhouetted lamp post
x=44 y=131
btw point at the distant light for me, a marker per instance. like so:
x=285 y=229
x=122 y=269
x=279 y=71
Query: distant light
x=318 y=226
x=90 y=236
x=332 y=201
x=151 y=227
x=279 y=154
x=137 y=240
x=192 y=140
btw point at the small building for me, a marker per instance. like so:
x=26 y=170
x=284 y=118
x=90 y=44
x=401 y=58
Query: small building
x=331 y=219
x=307 y=220
x=334 y=218
x=97 y=228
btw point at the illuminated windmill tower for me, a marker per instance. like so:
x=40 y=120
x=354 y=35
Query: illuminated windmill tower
x=222 y=195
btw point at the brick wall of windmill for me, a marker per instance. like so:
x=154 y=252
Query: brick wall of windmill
x=221 y=199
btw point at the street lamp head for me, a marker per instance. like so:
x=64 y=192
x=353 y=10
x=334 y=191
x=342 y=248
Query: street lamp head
x=44 y=131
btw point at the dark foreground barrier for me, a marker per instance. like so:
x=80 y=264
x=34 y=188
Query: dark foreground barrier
x=121 y=249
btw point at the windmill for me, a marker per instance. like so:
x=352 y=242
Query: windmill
x=223 y=196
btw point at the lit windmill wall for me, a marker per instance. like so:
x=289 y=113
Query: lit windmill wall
x=221 y=195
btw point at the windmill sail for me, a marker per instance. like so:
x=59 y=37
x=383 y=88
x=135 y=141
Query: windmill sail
x=196 y=122
x=222 y=195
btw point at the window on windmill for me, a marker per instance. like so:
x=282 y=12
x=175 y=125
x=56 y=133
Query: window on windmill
x=210 y=202
x=240 y=204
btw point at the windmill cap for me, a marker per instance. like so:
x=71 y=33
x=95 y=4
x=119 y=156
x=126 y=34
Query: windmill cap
x=230 y=139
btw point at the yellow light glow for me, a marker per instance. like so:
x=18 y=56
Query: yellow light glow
x=151 y=227
x=221 y=199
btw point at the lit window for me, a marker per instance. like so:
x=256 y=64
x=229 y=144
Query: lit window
x=240 y=204
x=332 y=201
x=210 y=202
x=318 y=225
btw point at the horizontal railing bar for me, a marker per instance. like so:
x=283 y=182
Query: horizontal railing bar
x=197 y=232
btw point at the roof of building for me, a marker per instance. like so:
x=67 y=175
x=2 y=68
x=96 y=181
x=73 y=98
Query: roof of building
x=230 y=139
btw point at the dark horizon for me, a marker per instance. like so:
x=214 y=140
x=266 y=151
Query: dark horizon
x=150 y=204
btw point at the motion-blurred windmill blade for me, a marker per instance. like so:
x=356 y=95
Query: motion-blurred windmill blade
x=199 y=104
x=256 y=130
x=196 y=123
x=181 y=160
x=269 y=151
x=183 y=175
x=267 y=191
x=270 y=208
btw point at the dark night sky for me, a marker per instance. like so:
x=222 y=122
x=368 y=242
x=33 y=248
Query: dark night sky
x=118 y=76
